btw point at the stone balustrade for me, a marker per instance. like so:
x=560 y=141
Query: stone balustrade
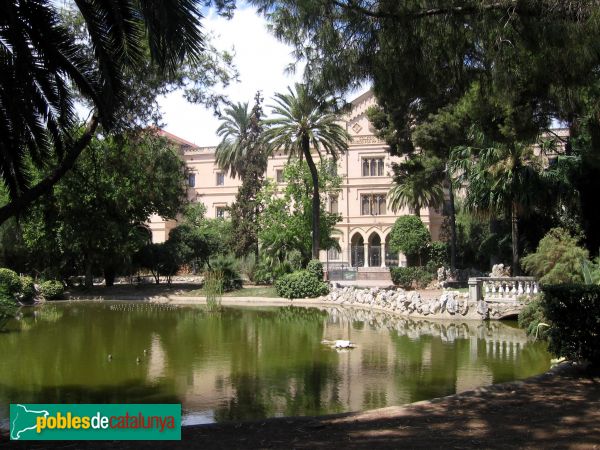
x=502 y=289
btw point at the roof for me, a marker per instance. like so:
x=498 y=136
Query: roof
x=176 y=139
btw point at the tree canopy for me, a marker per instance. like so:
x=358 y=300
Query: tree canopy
x=46 y=64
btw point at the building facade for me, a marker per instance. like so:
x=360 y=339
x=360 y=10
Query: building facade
x=365 y=169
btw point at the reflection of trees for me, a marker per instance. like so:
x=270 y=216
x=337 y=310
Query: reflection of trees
x=278 y=363
x=247 y=363
x=62 y=361
x=430 y=355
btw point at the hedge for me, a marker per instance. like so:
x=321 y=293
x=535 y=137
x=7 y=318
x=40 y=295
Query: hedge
x=52 y=289
x=409 y=277
x=11 y=281
x=573 y=311
x=28 y=291
x=300 y=284
x=316 y=268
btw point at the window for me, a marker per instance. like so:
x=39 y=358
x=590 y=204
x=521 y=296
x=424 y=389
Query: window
x=192 y=180
x=372 y=167
x=372 y=205
x=333 y=204
x=220 y=178
x=279 y=175
x=220 y=212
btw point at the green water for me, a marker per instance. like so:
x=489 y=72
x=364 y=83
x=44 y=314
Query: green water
x=250 y=363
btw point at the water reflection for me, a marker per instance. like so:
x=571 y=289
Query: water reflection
x=248 y=363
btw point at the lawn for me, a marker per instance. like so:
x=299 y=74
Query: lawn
x=250 y=291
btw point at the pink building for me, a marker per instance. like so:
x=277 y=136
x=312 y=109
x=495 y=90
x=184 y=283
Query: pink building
x=366 y=178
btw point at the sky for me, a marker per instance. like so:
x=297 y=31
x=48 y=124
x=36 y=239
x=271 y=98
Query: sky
x=260 y=59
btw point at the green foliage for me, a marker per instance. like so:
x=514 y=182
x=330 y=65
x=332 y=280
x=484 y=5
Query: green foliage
x=417 y=184
x=316 y=268
x=411 y=277
x=286 y=220
x=28 y=292
x=213 y=289
x=161 y=259
x=241 y=152
x=573 y=310
x=557 y=259
x=300 y=284
x=11 y=282
x=409 y=235
x=437 y=254
x=8 y=307
x=52 y=289
x=304 y=120
x=93 y=221
x=248 y=266
x=226 y=266
x=533 y=320
x=591 y=271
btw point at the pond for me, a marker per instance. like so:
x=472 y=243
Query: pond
x=250 y=363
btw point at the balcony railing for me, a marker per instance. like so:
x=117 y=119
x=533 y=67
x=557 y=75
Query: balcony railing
x=502 y=289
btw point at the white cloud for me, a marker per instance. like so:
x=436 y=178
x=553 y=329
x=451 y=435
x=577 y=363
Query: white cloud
x=261 y=60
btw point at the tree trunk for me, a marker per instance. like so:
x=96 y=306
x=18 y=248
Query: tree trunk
x=515 y=241
x=316 y=201
x=452 y=214
x=109 y=275
x=418 y=211
x=89 y=276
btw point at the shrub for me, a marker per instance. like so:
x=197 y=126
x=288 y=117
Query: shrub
x=28 y=291
x=574 y=312
x=410 y=236
x=530 y=318
x=300 y=284
x=11 y=281
x=8 y=307
x=409 y=277
x=226 y=265
x=52 y=289
x=557 y=258
x=437 y=255
x=316 y=268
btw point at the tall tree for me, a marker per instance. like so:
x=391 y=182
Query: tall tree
x=43 y=66
x=93 y=220
x=251 y=164
x=502 y=179
x=305 y=122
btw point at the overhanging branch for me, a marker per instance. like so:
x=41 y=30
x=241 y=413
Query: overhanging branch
x=19 y=204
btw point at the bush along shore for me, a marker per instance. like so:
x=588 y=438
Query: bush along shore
x=449 y=304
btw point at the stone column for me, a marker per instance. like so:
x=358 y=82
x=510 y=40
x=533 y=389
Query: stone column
x=474 y=289
x=366 y=253
x=382 y=255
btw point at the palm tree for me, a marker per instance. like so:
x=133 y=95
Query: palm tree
x=43 y=66
x=417 y=184
x=503 y=179
x=305 y=121
x=235 y=144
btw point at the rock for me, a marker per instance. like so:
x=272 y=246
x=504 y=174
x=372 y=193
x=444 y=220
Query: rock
x=451 y=304
x=482 y=309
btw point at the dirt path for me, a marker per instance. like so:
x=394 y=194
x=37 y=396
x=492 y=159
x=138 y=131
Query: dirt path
x=555 y=410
